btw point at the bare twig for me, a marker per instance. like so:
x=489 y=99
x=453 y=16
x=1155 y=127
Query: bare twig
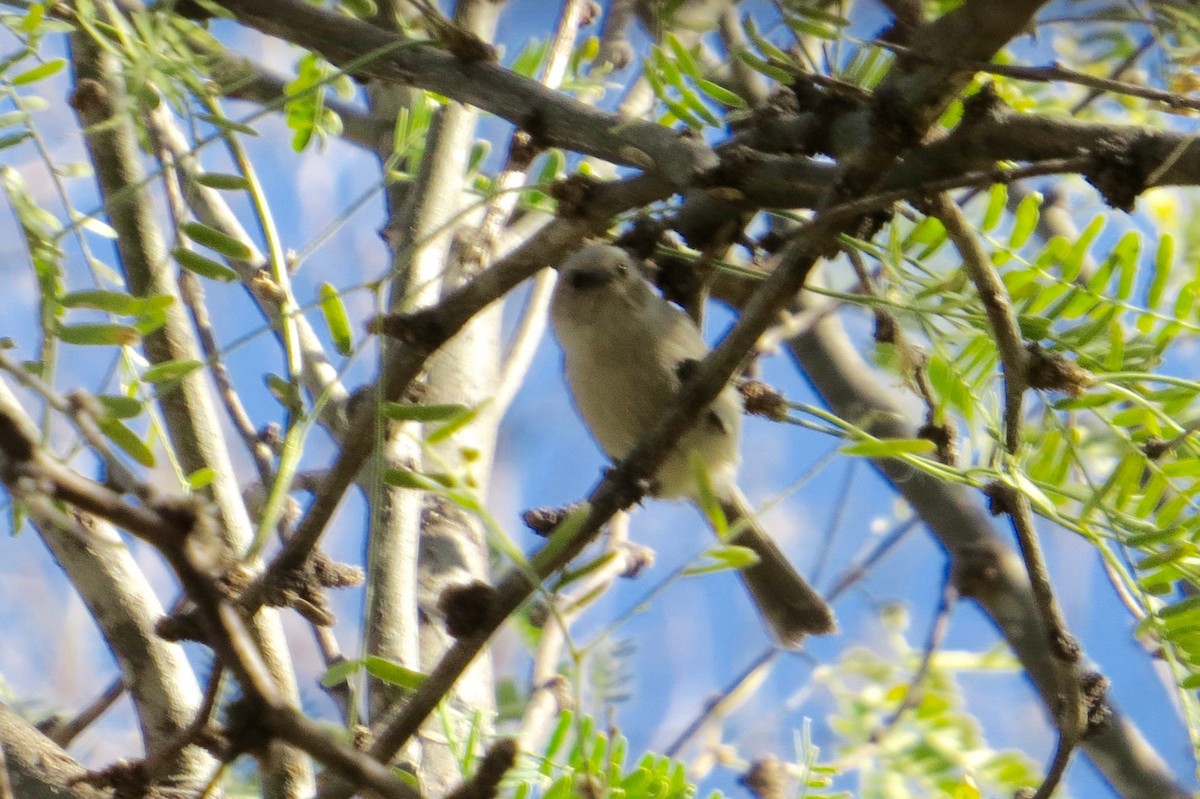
x=937 y=633
x=857 y=571
x=738 y=691
x=66 y=732
x=994 y=296
x=1059 y=74
x=1058 y=767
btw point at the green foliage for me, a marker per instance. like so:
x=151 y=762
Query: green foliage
x=934 y=748
x=580 y=759
x=306 y=111
x=679 y=84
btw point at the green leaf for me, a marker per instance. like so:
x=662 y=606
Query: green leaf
x=99 y=334
x=456 y=423
x=222 y=182
x=997 y=202
x=33 y=18
x=411 y=412
x=725 y=558
x=720 y=94
x=706 y=498
x=116 y=302
x=759 y=65
x=169 y=371
x=1163 y=258
x=1126 y=254
x=407 y=478
x=557 y=737
x=335 y=318
x=14 y=139
x=889 y=447
x=1087 y=401
x=1028 y=213
x=120 y=407
x=393 y=673
x=127 y=440
x=227 y=125
x=340 y=671
x=201 y=478
x=286 y=392
x=574 y=575
x=91 y=223
x=1073 y=263
x=202 y=265
x=693 y=101
x=763 y=44
x=39 y=72
x=685 y=59
x=216 y=240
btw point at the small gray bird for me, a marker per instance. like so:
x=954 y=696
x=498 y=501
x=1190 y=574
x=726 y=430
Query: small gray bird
x=624 y=346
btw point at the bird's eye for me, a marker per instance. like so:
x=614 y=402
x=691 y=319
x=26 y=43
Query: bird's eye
x=621 y=268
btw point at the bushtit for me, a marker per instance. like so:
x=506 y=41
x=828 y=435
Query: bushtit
x=624 y=346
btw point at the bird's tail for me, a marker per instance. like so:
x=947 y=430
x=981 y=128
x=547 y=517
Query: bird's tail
x=790 y=606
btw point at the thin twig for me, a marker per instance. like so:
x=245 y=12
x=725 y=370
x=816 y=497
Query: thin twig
x=730 y=697
x=192 y=294
x=63 y=734
x=1071 y=715
x=937 y=633
x=1058 y=767
x=857 y=571
x=83 y=411
x=1117 y=72
x=1055 y=74
x=993 y=294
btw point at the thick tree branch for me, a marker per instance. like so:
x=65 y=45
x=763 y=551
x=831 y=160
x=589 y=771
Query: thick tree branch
x=100 y=102
x=553 y=119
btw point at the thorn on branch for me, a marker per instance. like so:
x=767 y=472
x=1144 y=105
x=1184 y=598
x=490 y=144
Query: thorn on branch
x=303 y=589
x=1048 y=370
x=246 y=729
x=893 y=122
x=543 y=520
x=1095 y=691
x=181 y=626
x=765 y=779
x=1121 y=169
x=975 y=571
x=1155 y=448
x=572 y=194
x=885 y=327
x=91 y=100
x=331 y=574
x=1065 y=647
x=982 y=107
x=637 y=559
x=1000 y=499
x=944 y=440
x=500 y=757
x=466 y=608
x=423 y=328
x=126 y=778
x=642 y=237
x=761 y=399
